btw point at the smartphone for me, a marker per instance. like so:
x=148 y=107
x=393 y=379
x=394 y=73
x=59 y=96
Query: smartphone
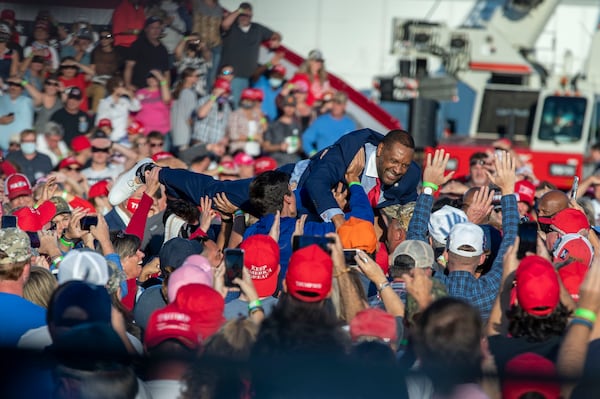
x=34 y=238
x=9 y=221
x=349 y=255
x=574 y=188
x=304 y=241
x=234 y=262
x=527 y=239
x=88 y=221
x=10 y=114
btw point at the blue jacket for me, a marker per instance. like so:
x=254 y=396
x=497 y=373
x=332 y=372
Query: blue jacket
x=324 y=173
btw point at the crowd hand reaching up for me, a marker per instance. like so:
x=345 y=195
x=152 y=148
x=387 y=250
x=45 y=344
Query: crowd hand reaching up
x=49 y=189
x=207 y=214
x=100 y=232
x=481 y=205
x=152 y=183
x=157 y=74
x=48 y=243
x=275 y=229
x=435 y=168
x=340 y=194
x=223 y=205
x=150 y=268
x=370 y=269
x=505 y=176
x=219 y=279
x=299 y=228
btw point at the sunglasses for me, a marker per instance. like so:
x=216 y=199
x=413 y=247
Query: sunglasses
x=74 y=169
x=96 y=149
x=68 y=66
x=480 y=162
x=106 y=37
x=50 y=83
x=226 y=72
x=155 y=145
x=14 y=84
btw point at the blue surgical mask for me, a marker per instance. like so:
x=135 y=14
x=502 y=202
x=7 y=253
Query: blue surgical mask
x=275 y=82
x=28 y=148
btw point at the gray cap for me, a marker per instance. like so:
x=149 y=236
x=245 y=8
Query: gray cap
x=85 y=265
x=15 y=244
x=417 y=250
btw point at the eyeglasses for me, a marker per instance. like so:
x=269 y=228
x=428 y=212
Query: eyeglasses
x=227 y=72
x=155 y=145
x=14 y=84
x=74 y=169
x=96 y=149
x=106 y=37
x=51 y=83
x=68 y=66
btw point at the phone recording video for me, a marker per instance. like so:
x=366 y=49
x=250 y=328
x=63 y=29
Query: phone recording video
x=574 y=188
x=304 y=241
x=88 y=221
x=234 y=262
x=527 y=239
x=349 y=255
x=34 y=238
x=9 y=221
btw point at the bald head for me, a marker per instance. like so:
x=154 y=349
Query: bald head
x=552 y=202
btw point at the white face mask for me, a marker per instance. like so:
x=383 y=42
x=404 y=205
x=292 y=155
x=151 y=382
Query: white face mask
x=245 y=29
x=275 y=82
x=28 y=148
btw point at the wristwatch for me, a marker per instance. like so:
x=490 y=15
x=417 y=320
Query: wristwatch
x=428 y=190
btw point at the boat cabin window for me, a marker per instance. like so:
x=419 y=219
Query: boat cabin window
x=562 y=119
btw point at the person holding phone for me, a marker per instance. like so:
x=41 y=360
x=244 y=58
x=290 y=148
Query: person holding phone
x=16 y=110
x=261 y=271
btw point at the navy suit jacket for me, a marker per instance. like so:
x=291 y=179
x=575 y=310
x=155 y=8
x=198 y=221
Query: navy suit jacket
x=114 y=221
x=322 y=174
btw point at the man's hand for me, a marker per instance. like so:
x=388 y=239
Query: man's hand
x=419 y=287
x=276 y=227
x=481 y=205
x=370 y=268
x=356 y=167
x=510 y=261
x=223 y=205
x=74 y=230
x=49 y=189
x=340 y=194
x=246 y=285
x=589 y=291
x=337 y=253
x=207 y=214
x=152 y=183
x=100 y=232
x=505 y=176
x=435 y=168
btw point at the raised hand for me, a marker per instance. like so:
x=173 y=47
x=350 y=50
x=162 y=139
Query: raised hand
x=505 y=176
x=435 y=168
x=481 y=205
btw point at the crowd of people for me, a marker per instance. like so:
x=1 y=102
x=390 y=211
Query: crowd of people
x=180 y=221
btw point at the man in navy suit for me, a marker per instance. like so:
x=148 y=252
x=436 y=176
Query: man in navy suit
x=390 y=176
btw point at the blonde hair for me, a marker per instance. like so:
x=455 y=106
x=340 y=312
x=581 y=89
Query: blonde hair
x=40 y=286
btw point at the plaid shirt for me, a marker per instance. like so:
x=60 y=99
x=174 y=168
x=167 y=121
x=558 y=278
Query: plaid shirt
x=211 y=129
x=479 y=292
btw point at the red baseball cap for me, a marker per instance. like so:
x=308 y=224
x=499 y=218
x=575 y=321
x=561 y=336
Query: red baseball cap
x=258 y=94
x=573 y=247
x=171 y=323
x=104 y=122
x=32 y=219
x=264 y=164
x=248 y=94
x=159 y=156
x=80 y=143
x=99 y=189
x=17 y=185
x=223 y=84
x=243 y=159
x=310 y=274
x=261 y=258
x=569 y=220
x=530 y=372
x=7 y=15
x=135 y=127
x=538 y=290
x=526 y=191
x=572 y=275
x=374 y=322
x=67 y=162
x=279 y=69
x=206 y=306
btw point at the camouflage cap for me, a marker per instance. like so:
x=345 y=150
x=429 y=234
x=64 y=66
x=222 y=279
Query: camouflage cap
x=403 y=213
x=438 y=290
x=61 y=205
x=15 y=244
